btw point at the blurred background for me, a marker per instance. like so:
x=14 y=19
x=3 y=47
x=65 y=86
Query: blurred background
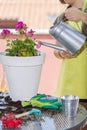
x=38 y=15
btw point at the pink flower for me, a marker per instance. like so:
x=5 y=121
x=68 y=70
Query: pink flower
x=20 y=25
x=5 y=33
x=31 y=32
x=38 y=45
x=24 y=42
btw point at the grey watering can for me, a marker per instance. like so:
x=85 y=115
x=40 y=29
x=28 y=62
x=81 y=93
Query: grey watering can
x=70 y=39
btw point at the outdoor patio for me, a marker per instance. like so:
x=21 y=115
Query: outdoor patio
x=39 y=15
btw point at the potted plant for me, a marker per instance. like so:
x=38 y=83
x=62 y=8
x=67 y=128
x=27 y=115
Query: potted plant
x=22 y=62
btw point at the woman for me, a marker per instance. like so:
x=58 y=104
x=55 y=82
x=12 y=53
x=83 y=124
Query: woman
x=73 y=75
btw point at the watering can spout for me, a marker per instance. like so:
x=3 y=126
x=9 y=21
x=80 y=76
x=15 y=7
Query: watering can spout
x=60 y=48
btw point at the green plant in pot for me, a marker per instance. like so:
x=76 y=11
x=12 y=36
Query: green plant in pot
x=22 y=62
x=24 y=45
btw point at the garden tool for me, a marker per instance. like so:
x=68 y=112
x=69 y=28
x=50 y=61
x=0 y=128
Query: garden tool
x=70 y=39
x=42 y=101
x=34 y=111
x=12 y=121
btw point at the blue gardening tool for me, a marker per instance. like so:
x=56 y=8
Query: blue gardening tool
x=34 y=111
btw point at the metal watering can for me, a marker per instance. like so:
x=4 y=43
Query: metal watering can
x=70 y=39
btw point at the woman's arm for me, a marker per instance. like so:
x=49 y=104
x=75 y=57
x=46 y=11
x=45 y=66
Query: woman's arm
x=75 y=14
x=84 y=16
x=84 y=25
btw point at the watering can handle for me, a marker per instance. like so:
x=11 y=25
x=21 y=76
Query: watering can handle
x=60 y=48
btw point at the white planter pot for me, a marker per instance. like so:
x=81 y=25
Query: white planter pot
x=22 y=75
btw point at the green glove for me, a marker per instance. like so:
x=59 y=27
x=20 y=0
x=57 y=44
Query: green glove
x=35 y=98
x=42 y=101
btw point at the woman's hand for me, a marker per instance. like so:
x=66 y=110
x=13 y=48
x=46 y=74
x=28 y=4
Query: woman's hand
x=74 y=14
x=63 y=54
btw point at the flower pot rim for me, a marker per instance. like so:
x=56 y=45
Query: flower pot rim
x=22 y=61
x=38 y=54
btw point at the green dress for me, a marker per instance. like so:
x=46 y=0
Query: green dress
x=73 y=74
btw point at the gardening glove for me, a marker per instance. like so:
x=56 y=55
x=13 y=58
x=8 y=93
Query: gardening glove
x=41 y=101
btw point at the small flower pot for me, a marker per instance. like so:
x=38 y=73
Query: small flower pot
x=22 y=75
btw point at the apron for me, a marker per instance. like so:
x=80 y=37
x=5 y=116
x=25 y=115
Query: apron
x=73 y=74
